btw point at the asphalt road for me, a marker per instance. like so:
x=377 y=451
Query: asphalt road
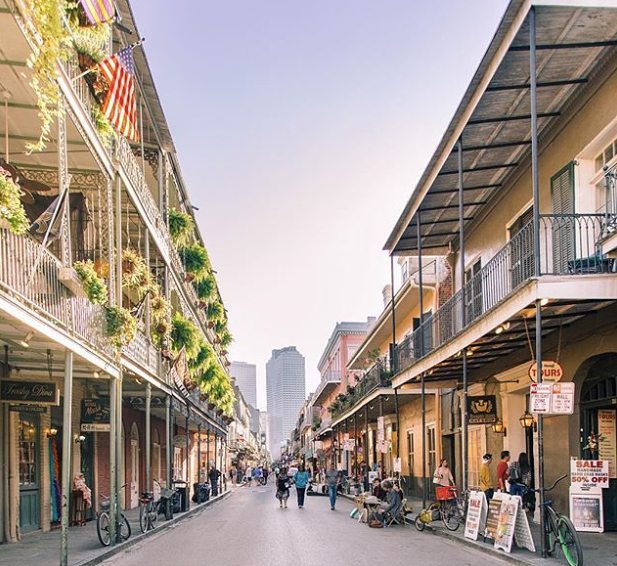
x=249 y=529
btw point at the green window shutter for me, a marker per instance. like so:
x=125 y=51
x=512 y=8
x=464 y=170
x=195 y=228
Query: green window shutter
x=563 y=229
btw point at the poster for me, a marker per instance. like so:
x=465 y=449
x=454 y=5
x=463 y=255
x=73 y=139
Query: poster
x=396 y=465
x=588 y=474
x=504 y=535
x=608 y=444
x=476 y=514
x=95 y=414
x=586 y=511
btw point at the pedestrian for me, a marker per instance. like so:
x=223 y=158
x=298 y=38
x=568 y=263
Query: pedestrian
x=443 y=476
x=502 y=471
x=333 y=480
x=301 y=479
x=257 y=475
x=486 y=482
x=266 y=473
x=519 y=475
x=378 y=491
x=233 y=474
x=248 y=475
x=282 y=488
x=214 y=476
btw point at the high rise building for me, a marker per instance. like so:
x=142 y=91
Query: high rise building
x=246 y=379
x=286 y=390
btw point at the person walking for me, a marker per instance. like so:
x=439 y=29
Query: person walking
x=333 y=479
x=502 y=471
x=248 y=475
x=214 y=476
x=519 y=475
x=282 y=488
x=301 y=479
x=443 y=476
x=486 y=482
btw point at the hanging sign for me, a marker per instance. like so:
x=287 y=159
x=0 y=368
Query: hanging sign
x=476 y=514
x=381 y=428
x=481 y=409
x=551 y=371
x=552 y=398
x=95 y=415
x=588 y=474
x=40 y=409
x=607 y=445
x=586 y=511
x=27 y=392
x=396 y=465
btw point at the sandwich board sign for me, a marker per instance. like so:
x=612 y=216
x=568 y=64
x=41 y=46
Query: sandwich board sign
x=477 y=510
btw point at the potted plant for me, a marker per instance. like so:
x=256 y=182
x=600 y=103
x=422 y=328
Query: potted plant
x=120 y=325
x=215 y=312
x=181 y=226
x=93 y=285
x=160 y=308
x=205 y=288
x=195 y=260
x=184 y=334
x=12 y=213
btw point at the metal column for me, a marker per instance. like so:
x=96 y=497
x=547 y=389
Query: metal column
x=398 y=426
x=168 y=440
x=461 y=221
x=199 y=466
x=381 y=457
x=536 y=250
x=422 y=376
x=208 y=451
x=366 y=431
x=113 y=464
x=355 y=445
x=67 y=445
x=188 y=461
x=148 y=438
x=393 y=311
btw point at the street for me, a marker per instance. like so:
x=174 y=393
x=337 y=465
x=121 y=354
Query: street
x=249 y=529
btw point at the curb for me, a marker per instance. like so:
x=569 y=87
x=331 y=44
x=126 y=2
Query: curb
x=159 y=529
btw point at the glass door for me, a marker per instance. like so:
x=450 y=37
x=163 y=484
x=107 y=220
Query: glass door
x=29 y=496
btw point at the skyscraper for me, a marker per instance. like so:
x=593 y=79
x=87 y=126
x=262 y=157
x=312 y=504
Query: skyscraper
x=246 y=379
x=286 y=390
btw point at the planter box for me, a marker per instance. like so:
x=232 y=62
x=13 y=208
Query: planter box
x=69 y=278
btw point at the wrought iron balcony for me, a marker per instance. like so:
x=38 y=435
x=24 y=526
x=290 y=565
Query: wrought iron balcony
x=570 y=246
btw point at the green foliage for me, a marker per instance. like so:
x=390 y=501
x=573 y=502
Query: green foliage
x=203 y=360
x=215 y=384
x=135 y=273
x=103 y=126
x=215 y=311
x=11 y=209
x=90 y=40
x=181 y=226
x=160 y=308
x=121 y=326
x=226 y=338
x=205 y=287
x=184 y=334
x=195 y=260
x=46 y=15
x=94 y=286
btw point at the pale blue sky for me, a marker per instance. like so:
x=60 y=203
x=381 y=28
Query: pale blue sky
x=302 y=128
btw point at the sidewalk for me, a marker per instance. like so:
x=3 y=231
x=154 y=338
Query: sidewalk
x=598 y=548
x=43 y=549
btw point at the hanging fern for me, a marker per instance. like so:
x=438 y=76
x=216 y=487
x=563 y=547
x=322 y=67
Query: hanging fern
x=215 y=311
x=181 y=226
x=205 y=287
x=195 y=260
x=121 y=325
x=11 y=209
x=226 y=338
x=160 y=308
x=94 y=286
x=204 y=358
x=184 y=334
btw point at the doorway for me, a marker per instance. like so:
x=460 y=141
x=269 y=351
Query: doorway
x=134 y=487
x=29 y=473
x=87 y=467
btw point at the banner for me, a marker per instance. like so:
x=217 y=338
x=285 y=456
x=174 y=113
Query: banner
x=36 y=392
x=588 y=474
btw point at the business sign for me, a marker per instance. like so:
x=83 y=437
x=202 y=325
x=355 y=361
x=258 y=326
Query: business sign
x=492 y=517
x=27 y=392
x=507 y=522
x=476 y=514
x=481 y=409
x=40 y=409
x=381 y=428
x=586 y=512
x=607 y=445
x=95 y=415
x=552 y=398
x=551 y=371
x=588 y=474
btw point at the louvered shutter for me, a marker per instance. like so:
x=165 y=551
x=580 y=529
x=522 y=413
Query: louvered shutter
x=563 y=232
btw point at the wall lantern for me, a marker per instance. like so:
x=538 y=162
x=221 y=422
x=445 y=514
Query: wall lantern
x=498 y=427
x=52 y=432
x=527 y=421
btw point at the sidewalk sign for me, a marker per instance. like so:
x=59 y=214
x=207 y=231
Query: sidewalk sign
x=586 y=510
x=608 y=439
x=522 y=531
x=504 y=535
x=507 y=521
x=492 y=517
x=477 y=509
x=588 y=474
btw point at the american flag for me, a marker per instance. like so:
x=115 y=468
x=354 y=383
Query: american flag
x=98 y=11
x=119 y=106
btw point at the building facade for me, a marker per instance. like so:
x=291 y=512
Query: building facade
x=246 y=379
x=286 y=391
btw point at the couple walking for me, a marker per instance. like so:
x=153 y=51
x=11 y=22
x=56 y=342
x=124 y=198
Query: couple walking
x=284 y=481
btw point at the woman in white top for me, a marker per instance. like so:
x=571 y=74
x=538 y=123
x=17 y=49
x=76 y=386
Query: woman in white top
x=443 y=476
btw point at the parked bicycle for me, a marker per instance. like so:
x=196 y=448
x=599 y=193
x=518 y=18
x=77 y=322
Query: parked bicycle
x=560 y=530
x=103 y=522
x=449 y=507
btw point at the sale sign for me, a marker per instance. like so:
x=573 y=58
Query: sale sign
x=588 y=474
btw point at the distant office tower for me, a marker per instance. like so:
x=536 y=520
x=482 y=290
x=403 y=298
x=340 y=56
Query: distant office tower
x=246 y=379
x=286 y=391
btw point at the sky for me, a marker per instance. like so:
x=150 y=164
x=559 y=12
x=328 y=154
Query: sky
x=302 y=129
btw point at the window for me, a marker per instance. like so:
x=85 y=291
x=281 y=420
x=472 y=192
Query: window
x=431 y=446
x=411 y=453
x=475 y=450
x=562 y=196
x=605 y=155
x=27 y=452
x=521 y=243
x=473 y=293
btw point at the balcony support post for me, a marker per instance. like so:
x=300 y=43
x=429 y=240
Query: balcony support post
x=461 y=223
x=420 y=283
x=199 y=465
x=346 y=451
x=148 y=437
x=188 y=459
x=423 y=428
x=168 y=452
x=216 y=437
x=381 y=456
x=208 y=451
x=67 y=446
x=366 y=432
x=393 y=363
x=422 y=381
x=355 y=445
x=537 y=265
x=398 y=425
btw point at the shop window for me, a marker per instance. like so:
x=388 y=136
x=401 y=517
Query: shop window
x=27 y=452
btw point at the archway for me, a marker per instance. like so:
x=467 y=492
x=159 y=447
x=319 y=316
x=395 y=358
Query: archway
x=598 y=415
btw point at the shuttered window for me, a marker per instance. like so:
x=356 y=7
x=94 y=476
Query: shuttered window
x=563 y=233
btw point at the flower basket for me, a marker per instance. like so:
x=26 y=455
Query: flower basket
x=69 y=278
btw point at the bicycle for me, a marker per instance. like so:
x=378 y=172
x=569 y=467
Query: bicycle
x=559 y=529
x=449 y=507
x=103 y=521
x=148 y=511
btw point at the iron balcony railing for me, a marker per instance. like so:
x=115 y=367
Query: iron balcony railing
x=377 y=376
x=610 y=203
x=569 y=245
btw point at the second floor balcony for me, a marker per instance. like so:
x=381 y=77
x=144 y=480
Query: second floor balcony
x=572 y=267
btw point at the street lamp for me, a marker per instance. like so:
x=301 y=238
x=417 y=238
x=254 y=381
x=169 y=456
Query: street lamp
x=527 y=421
x=498 y=427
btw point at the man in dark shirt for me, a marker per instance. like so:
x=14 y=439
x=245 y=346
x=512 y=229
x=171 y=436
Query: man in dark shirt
x=378 y=491
x=502 y=471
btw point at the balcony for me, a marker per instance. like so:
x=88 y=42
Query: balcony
x=570 y=247
x=330 y=380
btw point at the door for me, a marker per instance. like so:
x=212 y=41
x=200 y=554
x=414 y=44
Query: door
x=411 y=457
x=563 y=229
x=87 y=467
x=134 y=466
x=424 y=341
x=431 y=456
x=521 y=248
x=29 y=496
x=473 y=292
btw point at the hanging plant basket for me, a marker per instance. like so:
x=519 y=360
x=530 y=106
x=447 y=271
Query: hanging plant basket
x=69 y=278
x=92 y=284
x=188 y=277
x=12 y=213
x=181 y=226
x=195 y=260
x=121 y=325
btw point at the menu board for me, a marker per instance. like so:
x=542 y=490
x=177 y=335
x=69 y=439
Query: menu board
x=607 y=446
x=476 y=514
x=586 y=511
x=492 y=517
x=506 y=522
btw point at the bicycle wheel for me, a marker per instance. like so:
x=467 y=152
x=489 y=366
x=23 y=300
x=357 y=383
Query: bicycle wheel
x=449 y=514
x=570 y=543
x=102 y=528
x=420 y=525
x=125 y=528
x=143 y=518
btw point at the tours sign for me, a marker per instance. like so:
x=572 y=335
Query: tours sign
x=551 y=371
x=607 y=445
x=29 y=392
